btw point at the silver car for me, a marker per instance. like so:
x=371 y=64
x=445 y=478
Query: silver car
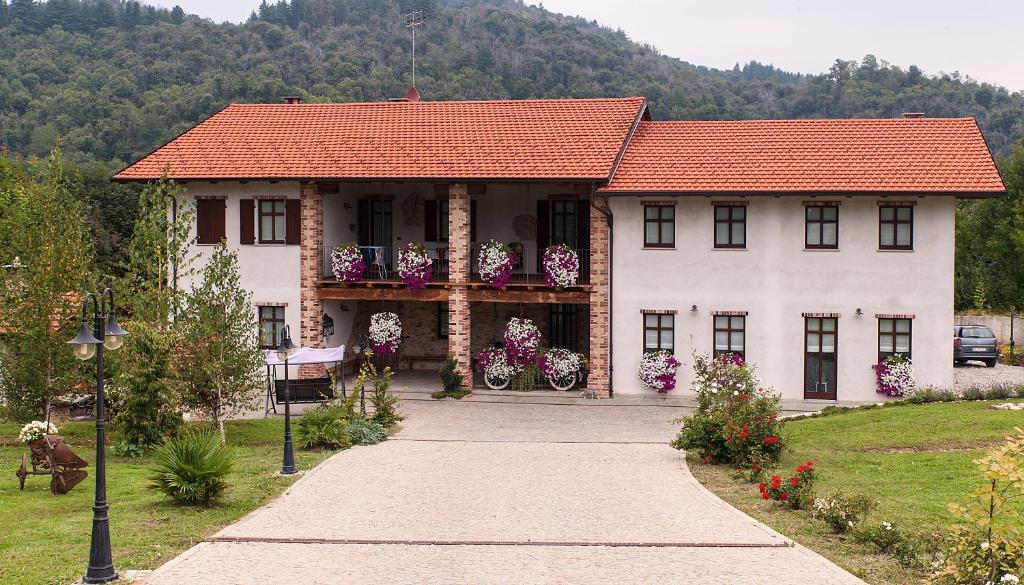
x=974 y=342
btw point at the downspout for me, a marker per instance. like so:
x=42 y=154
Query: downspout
x=607 y=213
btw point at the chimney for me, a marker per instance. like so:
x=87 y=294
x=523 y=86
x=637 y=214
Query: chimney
x=411 y=95
x=292 y=99
x=909 y=115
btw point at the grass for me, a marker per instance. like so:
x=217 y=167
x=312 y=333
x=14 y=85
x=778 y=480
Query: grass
x=912 y=459
x=456 y=394
x=46 y=538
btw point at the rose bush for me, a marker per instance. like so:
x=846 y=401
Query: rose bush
x=414 y=266
x=495 y=264
x=347 y=263
x=736 y=421
x=561 y=266
x=795 y=492
x=385 y=332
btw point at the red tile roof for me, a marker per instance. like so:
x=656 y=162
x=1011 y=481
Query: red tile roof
x=879 y=155
x=522 y=139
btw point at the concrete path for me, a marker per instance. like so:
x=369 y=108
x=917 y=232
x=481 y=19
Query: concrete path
x=503 y=493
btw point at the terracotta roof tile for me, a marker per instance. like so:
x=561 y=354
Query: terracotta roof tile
x=522 y=139
x=883 y=155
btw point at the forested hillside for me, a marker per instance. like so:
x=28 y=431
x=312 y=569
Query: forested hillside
x=112 y=79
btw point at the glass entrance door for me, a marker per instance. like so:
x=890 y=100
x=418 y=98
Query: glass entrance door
x=820 y=357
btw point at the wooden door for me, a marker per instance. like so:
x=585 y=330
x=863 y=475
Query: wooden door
x=821 y=352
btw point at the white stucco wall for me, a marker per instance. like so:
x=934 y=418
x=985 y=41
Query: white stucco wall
x=776 y=280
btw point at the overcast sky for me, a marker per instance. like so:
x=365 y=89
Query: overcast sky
x=980 y=38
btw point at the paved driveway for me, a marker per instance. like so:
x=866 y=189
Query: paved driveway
x=503 y=493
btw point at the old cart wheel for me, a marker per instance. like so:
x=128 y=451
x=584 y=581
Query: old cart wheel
x=22 y=473
x=563 y=384
x=495 y=382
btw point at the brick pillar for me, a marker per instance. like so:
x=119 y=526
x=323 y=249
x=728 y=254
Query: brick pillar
x=458 y=276
x=311 y=259
x=599 y=306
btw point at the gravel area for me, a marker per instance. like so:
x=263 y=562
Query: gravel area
x=504 y=493
x=976 y=374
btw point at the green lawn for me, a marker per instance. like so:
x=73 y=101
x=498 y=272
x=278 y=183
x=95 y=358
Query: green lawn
x=45 y=539
x=912 y=459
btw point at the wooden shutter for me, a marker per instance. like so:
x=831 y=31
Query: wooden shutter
x=363 y=232
x=209 y=221
x=430 y=220
x=293 y=222
x=472 y=221
x=246 y=221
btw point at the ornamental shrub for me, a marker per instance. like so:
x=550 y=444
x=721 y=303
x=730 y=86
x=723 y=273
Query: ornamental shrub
x=796 y=492
x=842 y=512
x=323 y=428
x=736 y=421
x=986 y=547
x=366 y=432
x=192 y=468
x=145 y=411
x=883 y=536
x=385 y=404
x=451 y=379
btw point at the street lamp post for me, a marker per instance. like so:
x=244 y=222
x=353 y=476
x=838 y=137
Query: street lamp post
x=86 y=345
x=284 y=350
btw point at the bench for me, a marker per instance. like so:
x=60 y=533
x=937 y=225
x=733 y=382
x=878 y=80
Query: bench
x=412 y=360
x=304 y=390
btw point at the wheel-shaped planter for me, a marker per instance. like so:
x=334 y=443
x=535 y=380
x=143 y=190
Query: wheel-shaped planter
x=563 y=384
x=495 y=382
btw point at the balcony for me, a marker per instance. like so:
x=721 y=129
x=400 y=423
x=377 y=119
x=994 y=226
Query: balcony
x=529 y=268
x=381 y=264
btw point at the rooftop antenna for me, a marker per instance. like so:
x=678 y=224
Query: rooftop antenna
x=413 y=20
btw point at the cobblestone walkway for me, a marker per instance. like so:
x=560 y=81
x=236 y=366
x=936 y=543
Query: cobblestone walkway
x=503 y=493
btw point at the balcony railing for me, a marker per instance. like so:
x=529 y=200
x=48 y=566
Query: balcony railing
x=381 y=263
x=529 y=267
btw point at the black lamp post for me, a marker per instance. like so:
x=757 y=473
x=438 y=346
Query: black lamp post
x=284 y=350
x=86 y=345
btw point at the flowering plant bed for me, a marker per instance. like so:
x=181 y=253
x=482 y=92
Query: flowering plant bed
x=561 y=266
x=657 y=371
x=414 y=266
x=560 y=365
x=796 y=492
x=385 y=332
x=522 y=338
x=895 y=376
x=347 y=263
x=36 y=430
x=495 y=264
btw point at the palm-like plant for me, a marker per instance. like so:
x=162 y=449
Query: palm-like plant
x=191 y=469
x=323 y=428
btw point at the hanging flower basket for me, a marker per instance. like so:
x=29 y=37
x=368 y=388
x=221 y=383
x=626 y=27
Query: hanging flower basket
x=522 y=338
x=496 y=263
x=895 y=376
x=658 y=371
x=560 y=364
x=35 y=431
x=347 y=263
x=561 y=266
x=385 y=333
x=414 y=266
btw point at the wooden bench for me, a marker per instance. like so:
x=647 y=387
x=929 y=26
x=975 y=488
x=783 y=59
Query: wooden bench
x=412 y=360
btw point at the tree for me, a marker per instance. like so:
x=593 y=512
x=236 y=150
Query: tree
x=144 y=404
x=158 y=245
x=219 y=360
x=47 y=259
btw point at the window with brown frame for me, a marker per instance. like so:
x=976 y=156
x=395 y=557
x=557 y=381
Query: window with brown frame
x=659 y=225
x=730 y=335
x=895 y=227
x=730 y=226
x=821 y=227
x=894 y=337
x=272 y=221
x=659 y=332
x=271 y=325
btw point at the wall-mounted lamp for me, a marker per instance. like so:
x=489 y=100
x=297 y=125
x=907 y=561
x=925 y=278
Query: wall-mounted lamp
x=347 y=205
x=858 y=312
x=693 y=309
x=344 y=308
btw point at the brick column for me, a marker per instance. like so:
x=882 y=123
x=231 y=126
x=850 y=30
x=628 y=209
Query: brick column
x=458 y=276
x=311 y=259
x=600 y=310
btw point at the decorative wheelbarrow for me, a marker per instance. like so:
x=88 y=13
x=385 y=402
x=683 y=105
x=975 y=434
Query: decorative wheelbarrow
x=50 y=456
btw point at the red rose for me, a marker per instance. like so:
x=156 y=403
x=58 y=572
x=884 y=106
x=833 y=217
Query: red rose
x=765 y=495
x=744 y=427
x=743 y=435
x=794 y=481
x=810 y=463
x=760 y=487
x=783 y=496
x=799 y=468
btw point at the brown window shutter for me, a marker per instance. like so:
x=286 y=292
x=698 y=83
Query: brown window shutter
x=472 y=221
x=430 y=220
x=293 y=222
x=246 y=221
x=209 y=221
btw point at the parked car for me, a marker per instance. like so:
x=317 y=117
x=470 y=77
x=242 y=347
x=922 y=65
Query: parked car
x=974 y=342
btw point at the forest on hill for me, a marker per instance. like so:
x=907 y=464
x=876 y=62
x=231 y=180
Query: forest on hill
x=109 y=80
